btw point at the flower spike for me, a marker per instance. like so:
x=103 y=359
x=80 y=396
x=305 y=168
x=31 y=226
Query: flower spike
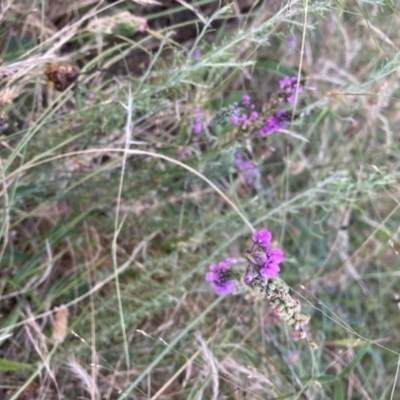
x=261 y=274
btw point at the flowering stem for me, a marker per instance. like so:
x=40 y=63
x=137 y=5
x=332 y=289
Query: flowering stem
x=261 y=274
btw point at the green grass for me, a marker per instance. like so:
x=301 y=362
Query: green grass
x=101 y=212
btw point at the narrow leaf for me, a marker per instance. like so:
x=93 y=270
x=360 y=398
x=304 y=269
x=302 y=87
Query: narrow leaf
x=8 y=365
x=339 y=393
x=355 y=361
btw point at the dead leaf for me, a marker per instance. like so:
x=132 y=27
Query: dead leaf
x=62 y=76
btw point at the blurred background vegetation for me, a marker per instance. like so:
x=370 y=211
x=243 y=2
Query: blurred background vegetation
x=110 y=201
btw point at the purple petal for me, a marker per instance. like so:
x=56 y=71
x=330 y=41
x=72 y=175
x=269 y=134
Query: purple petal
x=223 y=266
x=254 y=116
x=234 y=120
x=246 y=100
x=213 y=268
x=211 y=276
x=291 y=42
x=198 y=124
x=261 y=258
x=249 y=172
x=276 y=256
x=274 y=123
x=238 y=158
x=267 y=273
x=248 y=169
x=273 y=267
x=262 y=237
x=196 y=53
x=197 y=127
x=226 y=287
x=285 y=82
x=218 y=279
x=244 y=119
x=235 y=260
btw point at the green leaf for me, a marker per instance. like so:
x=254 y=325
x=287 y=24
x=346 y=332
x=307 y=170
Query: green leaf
x=326 y=378
x=275 y=66
x=339 y=393
x=12 y=317
x=222 y=116
x=8 y=365
x=27 y=268
x=355 y=361
x=331 y=378
x=17 y=47
x=349 y=343
x=6 y=27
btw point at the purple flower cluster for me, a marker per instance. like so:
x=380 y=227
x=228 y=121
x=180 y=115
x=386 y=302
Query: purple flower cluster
x=248 y=170
x=241 y=117
x=264 y=258
x=289 y=86
x=263 y=263
x=261 y=275
x=274 y=123
x=279 y=119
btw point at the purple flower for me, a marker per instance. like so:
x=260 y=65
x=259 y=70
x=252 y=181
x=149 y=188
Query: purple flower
x=244 y=119
x=196 y=53
x=185 y=152
x=271 y=260
x=292 y=98
x=289 y=85
x=198 y=124
x=238 y=158
x=246 y=100
x=265 y=259
x=234 y=120
x=274 y=123
x=262 y=238
x=248 y=170
x=143 y=25
x=259 y=258
x=269 y=270
x=291 y=42
x=268 y=255
x=276 y=256
x=253 y=116
x=239 y=115
x=220 y=279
